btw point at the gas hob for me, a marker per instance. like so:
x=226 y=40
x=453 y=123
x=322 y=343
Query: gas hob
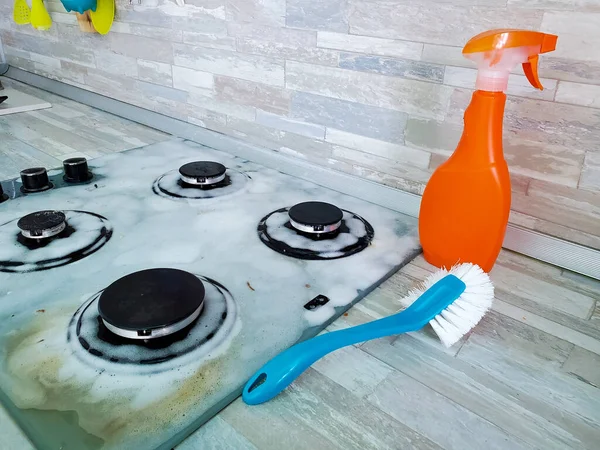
x=140 y=291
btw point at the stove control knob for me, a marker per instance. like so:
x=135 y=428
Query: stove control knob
x=35 y=180
x=76 y=170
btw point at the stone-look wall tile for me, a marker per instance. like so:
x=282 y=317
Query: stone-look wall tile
x=436 y=161
x=454 y=24
x=547 y=210
x=329 y=15
x=45 y=60
x=293 y=126
x=404 y=68
x=562 y=196
x=371 y=121
x=65 y=51
x=221 y=62
x=445 y=54
x=517 y=84
x=400 y=153
x=75 y=78
x=569 y=5
x=590 y=175
x=268 y=12
x=17 y=52
x=72 y=71
x=141 y=47
x=208 y=40
x=167 y=34
x=71 y=34
x=553 y=163
x=570 y=69
x=62 y=17
x=282 y=43
x=290 y=36
x=215 y=8
x=434 y=136
x=519 y=183
x=410 y=96
x=156 y=91
x=155 y=72
x=201 y=23
x=192 y=80
x=578 y=94
x=280 y=141
x=117 y=64
x=574 y=128
x=261 y=96
x=554 y=229
x=205 y=118
x=113 y=85
x=164 y=34
x=221 y=106
x=282 y=50
x=370 y=45
x=578 y=34
x=154 y=17
x=383 y=165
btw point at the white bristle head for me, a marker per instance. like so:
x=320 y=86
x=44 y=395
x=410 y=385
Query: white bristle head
x=468 y=309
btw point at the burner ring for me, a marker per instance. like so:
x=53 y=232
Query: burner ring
x=353 y=235
x=20 y=254
x=151 y=303
x=96 y=346
x=171 y=185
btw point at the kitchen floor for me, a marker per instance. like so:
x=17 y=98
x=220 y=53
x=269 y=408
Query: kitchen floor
x=528 y=376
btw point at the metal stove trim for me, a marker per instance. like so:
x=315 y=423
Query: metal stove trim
x=559 y=252
x=311 y=228
x=154 y=332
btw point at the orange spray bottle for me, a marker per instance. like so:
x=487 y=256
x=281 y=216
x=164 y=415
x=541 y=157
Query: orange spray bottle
x=466 y=203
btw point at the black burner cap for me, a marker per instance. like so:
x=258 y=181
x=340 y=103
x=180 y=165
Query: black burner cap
x=202 y=169
x=151 y=299
x=38 y=222
x=76 y=170
x=315 y=213
x=3 y=196
x=35 y=180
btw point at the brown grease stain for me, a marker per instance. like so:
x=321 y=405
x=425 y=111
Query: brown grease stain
x=41 y=311
x=249 y=285
x=111 y=419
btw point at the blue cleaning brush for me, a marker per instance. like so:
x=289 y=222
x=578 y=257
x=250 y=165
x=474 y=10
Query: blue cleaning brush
x=452 y=302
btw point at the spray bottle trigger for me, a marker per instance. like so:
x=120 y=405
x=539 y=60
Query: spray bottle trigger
x=531 y=72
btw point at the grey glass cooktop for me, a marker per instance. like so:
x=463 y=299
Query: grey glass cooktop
x=70 y=383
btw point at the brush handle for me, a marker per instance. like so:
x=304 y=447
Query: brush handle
x=282 y=370
x=279 y=373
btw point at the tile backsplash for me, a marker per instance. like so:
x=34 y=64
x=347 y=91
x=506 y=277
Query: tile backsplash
x=375 y=88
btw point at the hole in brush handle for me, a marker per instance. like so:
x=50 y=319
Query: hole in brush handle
x=260 y=379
